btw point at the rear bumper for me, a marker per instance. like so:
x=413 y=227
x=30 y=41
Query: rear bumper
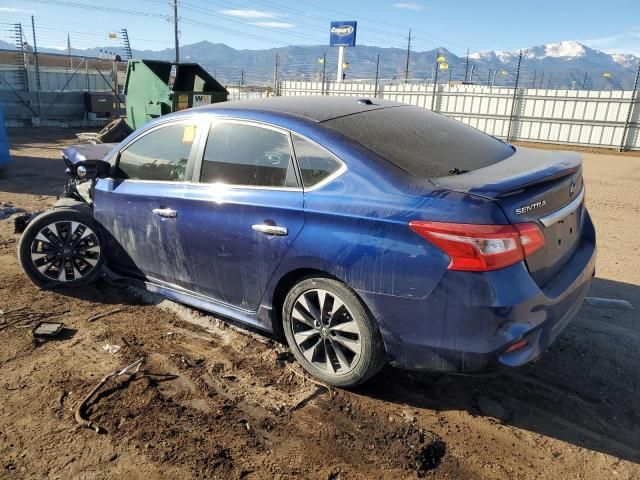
x=469 y=319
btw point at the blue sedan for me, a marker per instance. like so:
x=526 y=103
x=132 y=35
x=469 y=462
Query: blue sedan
x=362 y=231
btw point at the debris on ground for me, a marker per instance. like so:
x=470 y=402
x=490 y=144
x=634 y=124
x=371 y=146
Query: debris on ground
x=111 y=348
x=130 y=371
x=105 y=314
x=8 y=209
x=47 y=330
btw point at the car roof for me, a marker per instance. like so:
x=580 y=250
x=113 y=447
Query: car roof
x=316 y=108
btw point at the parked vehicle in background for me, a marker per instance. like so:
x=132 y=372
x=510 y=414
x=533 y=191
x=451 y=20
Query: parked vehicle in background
x=364 y=231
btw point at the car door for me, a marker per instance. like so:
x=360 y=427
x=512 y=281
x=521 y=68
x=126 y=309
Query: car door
x=244 y=213
x=138 y=207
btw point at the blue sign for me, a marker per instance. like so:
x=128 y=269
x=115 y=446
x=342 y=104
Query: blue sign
x=343 y=34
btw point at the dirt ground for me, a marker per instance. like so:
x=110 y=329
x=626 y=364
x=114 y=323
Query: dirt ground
x=240 y=408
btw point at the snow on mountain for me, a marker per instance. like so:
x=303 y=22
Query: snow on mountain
x=567 y=49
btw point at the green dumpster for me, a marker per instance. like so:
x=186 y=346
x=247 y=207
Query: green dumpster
x=151 y=91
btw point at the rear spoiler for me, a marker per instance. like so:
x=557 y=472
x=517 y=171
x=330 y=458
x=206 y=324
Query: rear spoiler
x=524 y=169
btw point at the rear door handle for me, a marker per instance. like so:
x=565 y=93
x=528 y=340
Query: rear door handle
x=269 y=229
x=165 y=212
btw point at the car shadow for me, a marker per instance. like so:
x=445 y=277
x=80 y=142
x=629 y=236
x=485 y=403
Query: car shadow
x=583 y=391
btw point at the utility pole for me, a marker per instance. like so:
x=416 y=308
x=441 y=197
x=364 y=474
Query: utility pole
x=584 y=81
x=35 y=52
x=275 y=76
x=435 y=83
x=69 y=51
x=466 y=67
x=471 y=74
x=324 y=72
x=535 y=74
x=375 y=92
x=406 y=69
x=175 y=30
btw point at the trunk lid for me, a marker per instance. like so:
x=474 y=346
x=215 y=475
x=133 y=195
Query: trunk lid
x=534 y=186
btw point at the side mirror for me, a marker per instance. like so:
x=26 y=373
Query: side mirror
x=92 y=169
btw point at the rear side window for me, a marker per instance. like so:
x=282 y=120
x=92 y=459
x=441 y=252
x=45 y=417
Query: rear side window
x=421 y=142
x=315 y=163
x=160 y=155
x=239 y=154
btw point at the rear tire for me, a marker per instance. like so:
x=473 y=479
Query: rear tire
x=62 y=247
x=331 y=333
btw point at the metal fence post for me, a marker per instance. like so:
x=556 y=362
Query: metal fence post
x=627 y=123
x=514 y=99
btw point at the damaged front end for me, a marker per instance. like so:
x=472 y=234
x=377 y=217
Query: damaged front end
x=85 y=164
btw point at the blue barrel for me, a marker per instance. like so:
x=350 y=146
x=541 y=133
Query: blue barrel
x=4 y=141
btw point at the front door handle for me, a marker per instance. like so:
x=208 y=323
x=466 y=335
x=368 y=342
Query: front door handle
x=165 y=212
x=269 y=229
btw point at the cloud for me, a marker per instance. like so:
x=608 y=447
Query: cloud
x=248 y=13
x=623 y=42
x=408 y=6
x=12 y=10
x=273 y=24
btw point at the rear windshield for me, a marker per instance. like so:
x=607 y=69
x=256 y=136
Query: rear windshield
x=420 y=142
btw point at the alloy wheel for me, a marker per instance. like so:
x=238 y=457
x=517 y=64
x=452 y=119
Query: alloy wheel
x=65 y=251
x=326 y=332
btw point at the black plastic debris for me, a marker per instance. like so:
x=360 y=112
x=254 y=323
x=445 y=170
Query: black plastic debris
x=47 y=330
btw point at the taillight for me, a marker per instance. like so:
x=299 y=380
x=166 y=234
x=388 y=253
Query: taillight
x=481 y=248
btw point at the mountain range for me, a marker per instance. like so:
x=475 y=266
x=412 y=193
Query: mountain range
x=566 y=64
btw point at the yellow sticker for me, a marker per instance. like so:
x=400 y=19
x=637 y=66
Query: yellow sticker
x=183 y=102
x=189 y=134
x=606 y=74
x=444 y=66
x=441 y=59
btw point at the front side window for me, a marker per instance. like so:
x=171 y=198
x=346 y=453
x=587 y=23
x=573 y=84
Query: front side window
x=240 y=154
x=160 y=155
x=316 y=164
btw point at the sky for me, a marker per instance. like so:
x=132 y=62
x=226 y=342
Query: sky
x=612 y=26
